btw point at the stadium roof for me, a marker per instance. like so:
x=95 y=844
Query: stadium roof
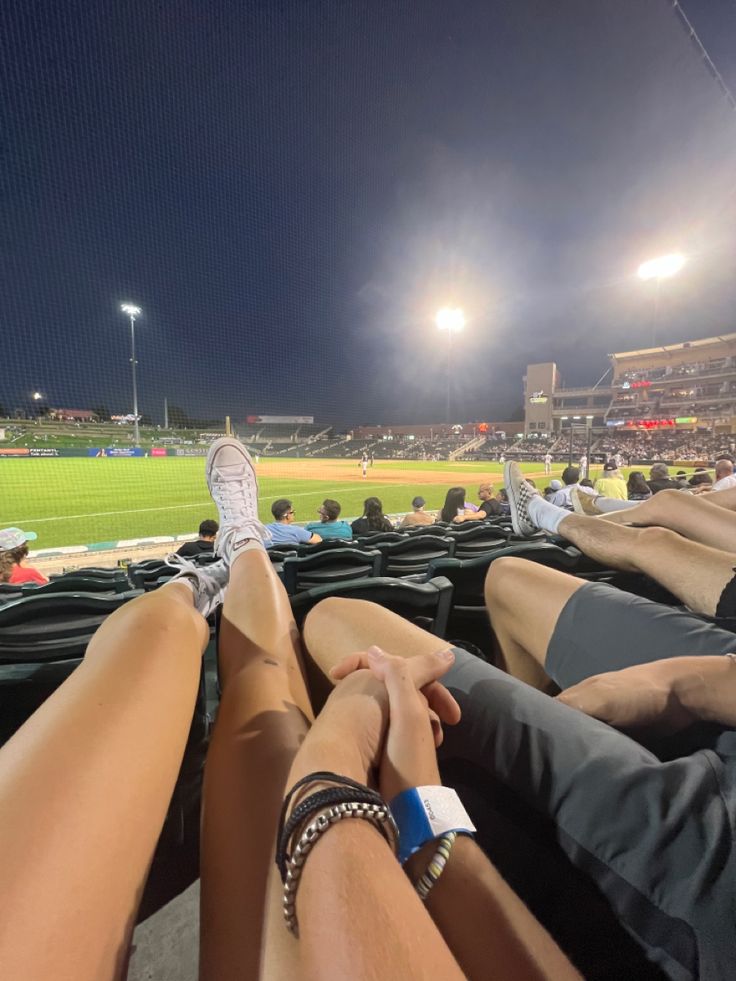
x=685 y=346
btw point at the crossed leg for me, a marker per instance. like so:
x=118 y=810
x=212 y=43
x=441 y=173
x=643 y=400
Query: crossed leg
x=707 y=518
x=85 y=784
x=696 y=573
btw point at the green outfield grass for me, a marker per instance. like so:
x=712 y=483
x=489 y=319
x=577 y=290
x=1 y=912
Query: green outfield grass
x=80 y=501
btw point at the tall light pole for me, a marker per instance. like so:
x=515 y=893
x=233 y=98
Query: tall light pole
x=452 y=321
x=658 y=269
x=132 y=312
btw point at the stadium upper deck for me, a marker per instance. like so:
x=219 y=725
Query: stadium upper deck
x=684 y=386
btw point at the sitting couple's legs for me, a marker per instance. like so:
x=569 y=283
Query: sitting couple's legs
x=597 y=785
x=696 y=573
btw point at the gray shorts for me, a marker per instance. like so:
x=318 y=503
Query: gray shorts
x=602 y=628
x=656 y=838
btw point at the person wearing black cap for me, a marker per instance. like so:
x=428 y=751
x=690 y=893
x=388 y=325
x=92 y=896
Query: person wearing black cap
x=417 y=515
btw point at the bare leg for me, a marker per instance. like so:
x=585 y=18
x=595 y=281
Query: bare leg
x=524 y=600
x=696 y=574
x=336 y=627
x=85 y=784
x=702 y=519
x=263 y=716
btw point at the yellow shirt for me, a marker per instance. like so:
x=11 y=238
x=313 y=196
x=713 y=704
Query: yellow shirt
x=612 y=487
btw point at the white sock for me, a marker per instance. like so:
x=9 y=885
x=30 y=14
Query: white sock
x=241 y=545
x=545 y=515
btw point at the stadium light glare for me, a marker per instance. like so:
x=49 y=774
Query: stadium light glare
x=661 y=268
x=451 y=319
x=132 y=311
x=36 y=396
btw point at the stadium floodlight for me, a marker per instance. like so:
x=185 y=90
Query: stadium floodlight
x=661 y=268
x=132 y=312
x=452 y=321
x=37 y=396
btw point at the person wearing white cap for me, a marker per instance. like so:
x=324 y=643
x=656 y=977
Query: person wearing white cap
x=14 y=542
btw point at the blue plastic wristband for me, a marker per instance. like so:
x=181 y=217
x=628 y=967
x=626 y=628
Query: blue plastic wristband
x=425 y=813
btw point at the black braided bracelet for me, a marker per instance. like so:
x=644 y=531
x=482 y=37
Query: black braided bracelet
x=317 y=802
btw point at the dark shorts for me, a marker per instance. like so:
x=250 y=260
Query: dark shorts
x=654 y=838
x=727 y=603
x=604 y=629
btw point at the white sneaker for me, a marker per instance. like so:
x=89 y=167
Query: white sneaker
x=208 y=582
x=231 y=479
x=519 y=494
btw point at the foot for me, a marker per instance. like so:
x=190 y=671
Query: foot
x=231 y=480
x=583 y=503
x=207 y=582
x=520 y=494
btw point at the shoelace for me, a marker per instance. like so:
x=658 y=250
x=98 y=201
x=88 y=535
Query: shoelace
x=233 y=499
x=181 y=563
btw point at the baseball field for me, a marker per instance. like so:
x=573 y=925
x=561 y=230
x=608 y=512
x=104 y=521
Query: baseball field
x=81 y=501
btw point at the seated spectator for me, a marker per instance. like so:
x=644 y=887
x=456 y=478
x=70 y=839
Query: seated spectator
x=7 y=564
x=611 y=484
x=454 y=505
x=570 y=479
x=637 y=487
x=204 y=544
x=725 y=478
x=14 y=541
x=554 y=486
x=489 y=506
x=503 y=501
x=417 y=515
x=701 y=481
x=585 y=482
x=681 y=478
x=328 y=526
x=283 y=530
x=373 y=519
x=659 y=479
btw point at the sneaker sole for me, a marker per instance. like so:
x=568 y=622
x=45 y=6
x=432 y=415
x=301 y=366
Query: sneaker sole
x=511 y=493
x=212 y=453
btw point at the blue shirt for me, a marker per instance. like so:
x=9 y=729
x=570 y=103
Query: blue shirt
x=330 y=529
x=284 y=534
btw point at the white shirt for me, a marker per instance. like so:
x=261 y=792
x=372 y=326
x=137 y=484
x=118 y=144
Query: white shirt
x=548 y=458
x=561 y=498
x=725 y=483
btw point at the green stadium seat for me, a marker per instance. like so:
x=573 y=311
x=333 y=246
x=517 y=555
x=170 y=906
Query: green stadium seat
x=329 y=567
x=78 y=584
x=411 y=556
x=468 y=617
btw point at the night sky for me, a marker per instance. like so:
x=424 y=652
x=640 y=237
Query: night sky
x=290 y=189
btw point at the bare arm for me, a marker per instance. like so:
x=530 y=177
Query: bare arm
x=314 y=539
x=668 y=694
x=484 y=922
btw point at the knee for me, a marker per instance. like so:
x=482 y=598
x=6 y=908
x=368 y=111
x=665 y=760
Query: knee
x=502 y=581
x=664 y=500
x=326 y=612
x=655 y=537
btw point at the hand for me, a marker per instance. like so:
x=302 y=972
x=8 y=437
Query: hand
x=417 y=705
x=642 y=696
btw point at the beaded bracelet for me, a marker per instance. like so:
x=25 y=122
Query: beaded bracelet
x=378 y=815
x=436 y=866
